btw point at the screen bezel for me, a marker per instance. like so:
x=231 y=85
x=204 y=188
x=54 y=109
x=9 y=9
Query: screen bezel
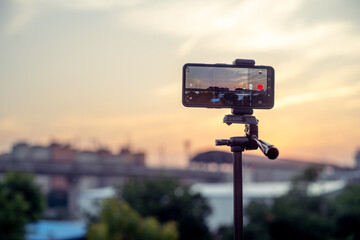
x=271 y=81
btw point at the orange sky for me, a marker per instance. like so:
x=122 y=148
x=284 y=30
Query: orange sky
x=106 y=72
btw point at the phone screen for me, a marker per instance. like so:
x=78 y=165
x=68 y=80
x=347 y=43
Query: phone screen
x=227 y=86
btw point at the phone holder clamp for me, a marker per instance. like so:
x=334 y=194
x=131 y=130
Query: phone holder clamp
x=244 y=62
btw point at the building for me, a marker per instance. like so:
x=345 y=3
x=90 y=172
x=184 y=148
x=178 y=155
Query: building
x=61 y=189
x=57 y=152
x=357 y=160
x=256 y=168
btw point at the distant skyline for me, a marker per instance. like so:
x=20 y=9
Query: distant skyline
x=110 y=72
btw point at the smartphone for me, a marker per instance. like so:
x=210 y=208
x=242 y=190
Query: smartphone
x=228 y=86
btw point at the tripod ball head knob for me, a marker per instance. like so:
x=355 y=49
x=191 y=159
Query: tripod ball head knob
x=268 y=149
x=222 y=142
x=272 y=153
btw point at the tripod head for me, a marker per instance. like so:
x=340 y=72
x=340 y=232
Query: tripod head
x=251 y=139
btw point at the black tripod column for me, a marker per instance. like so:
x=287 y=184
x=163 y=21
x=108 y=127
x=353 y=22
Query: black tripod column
x=238 y=192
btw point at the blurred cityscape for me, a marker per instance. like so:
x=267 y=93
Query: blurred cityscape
x=86 y=70
x=74 y=181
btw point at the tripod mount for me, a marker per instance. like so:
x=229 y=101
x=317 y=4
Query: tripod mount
x=250 y=141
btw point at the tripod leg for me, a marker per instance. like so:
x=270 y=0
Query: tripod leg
x=238 y=194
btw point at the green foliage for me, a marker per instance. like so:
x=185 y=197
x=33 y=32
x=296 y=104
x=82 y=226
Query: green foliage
x=166 y=199
x=260 y=216
x=20 y=203
x=297 y=215
x=118 y=221
x=297 y=220
x=309 y=175
x=13 y=219
x=24 y=184
x=301 y=182
x=225 y=233
x=346 y=217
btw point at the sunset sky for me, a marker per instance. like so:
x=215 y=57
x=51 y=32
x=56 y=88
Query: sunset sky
x=108 y=72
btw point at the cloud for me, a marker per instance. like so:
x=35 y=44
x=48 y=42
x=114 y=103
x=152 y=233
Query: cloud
x=168 y=89
x=22 y=16
x=353 y=104
x=280 y=38
x=218 y=24
x=237 y=26
x=100 y=4
x=26 y=11
x=10 y=124
x=338 y=92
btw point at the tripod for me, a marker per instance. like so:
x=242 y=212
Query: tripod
x=239 y=144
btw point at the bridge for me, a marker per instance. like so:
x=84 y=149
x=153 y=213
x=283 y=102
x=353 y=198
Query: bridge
x=103 y=170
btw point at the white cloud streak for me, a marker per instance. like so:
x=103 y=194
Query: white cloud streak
x=23 y=15
x=167 y=90
x=214 y=25
x=235 y=26
x=27 y=10
x=351 y=90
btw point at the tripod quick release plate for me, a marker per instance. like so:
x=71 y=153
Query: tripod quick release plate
x=229 y=119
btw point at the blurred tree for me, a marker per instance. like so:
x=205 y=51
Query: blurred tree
x=298 y=215
x=20 y=203
x=118 y=221
x=346 y=217
x=296 y=218
x=166 y=199
x=225 y=233
x=260 y=215
x=24 y=184
x=13 y=210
